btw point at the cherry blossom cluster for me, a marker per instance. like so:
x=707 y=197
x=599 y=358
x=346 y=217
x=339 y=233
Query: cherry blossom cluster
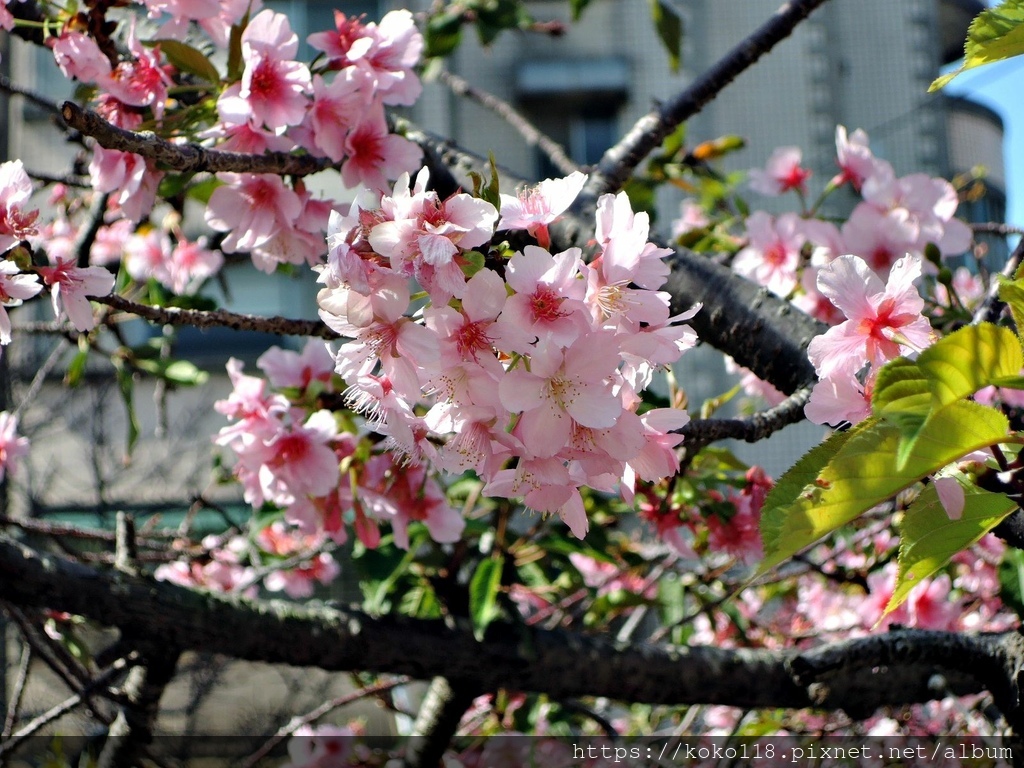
x=272 y=103
x=69 y=284
x=527 y=369
x=896 y=216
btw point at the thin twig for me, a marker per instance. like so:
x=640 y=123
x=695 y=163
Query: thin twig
x=19 y=690
x=68 y=180
x=55 y=356
x=532 y=135
x=621 y=160
x=87 y=234
x=990 y=309
x=281 y=326
x=996 y=228
x=184 y=157
x=55 y=712
x=313 y=715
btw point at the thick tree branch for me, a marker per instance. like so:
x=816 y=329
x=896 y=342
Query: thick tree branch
x=220 y=318
x=857 y=675
x=186 y=158
x=619 y=162
x=752 y=429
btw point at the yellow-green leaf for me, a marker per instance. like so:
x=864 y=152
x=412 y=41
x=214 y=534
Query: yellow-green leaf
x=902 y=395
x=796 y=479
x=928 y=538
x=864 y=473
x=971 y=358
x=995 y=34
x=1011 y=292
x=188 y=59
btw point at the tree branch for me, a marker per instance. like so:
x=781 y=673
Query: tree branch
x=753 y=429
x=186 y=158
x=220 y=318
x=531 y=134
x=856 y=675
x=619 y=162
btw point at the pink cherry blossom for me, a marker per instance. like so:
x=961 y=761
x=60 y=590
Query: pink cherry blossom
x=252 y=209
x=856 y=162
x=139 y=81
x=70 y=286
x=546 y=486
x=536 y=207
x=323 y=746
x=80 y=58
x=337 y=107
x=273 y=89
x=883 y=321
x=781 y=173
x=562 y=387
x=951 y=496
x=406 y=497
x=16 y=223
x=285 y=368
x=130 y=179
x=772 y=255
x=12 y=446
x=548 y=299
x=373 y=155
x=839 y=398
x=14 y=289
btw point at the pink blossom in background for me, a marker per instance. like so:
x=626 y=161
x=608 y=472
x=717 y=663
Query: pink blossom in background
x=12 y=445
x=321 y=746
x=16 y=223
x=856 y=162
x=297 y=582
x=109 y=245
x=772 y=255
x=691 y=216
x=285 y=368
x=130 y=179
x=782 y=173
x=251 y=208
x=69 y=288
x=80 y=58
x=373 y=155
x=140 y=81
x=191 y=263
x=148 y=255
x=337 y=107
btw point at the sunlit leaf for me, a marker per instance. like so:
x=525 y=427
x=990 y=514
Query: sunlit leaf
x=864 y=473
x=669 y=26
x=995 y=34
x=928 y=538
x=483 y=594
x=189 y=59
x=969 y=359
x=1011 y=580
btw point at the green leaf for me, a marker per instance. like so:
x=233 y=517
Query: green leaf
x=443 y=33
x=483 y=594
x=863 y=474
x=669 y=25
x=995 y=34
x=969 y=359
x=1011 y=292
x=126 y=385
x=189 y=59
x=928 y=538
x=796 y=479
x=577 y=7
x=76 y=368
x=235 y=48
x=902 y=395
x=1011 y=580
